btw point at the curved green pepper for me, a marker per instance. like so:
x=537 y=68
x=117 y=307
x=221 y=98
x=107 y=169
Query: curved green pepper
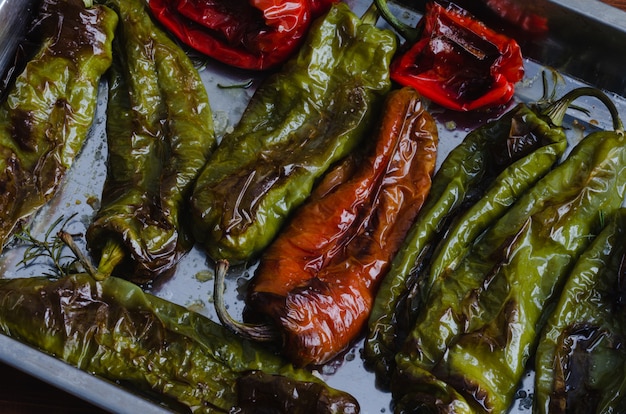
x=469 y=346
x=47 y=114
x=113 y=329
x=581 y=358
x=474 y=186
x=159 y=134
x=301 y=120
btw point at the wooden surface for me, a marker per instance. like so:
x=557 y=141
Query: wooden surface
x=23 y=394
x=621 y=4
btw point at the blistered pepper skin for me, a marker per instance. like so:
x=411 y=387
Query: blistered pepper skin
x=490 y=309
x=254 y=35
x=159 y=135
x=318 y=279
x=48 y=111
x=581 y=348
x=301 y=120
x=455 y=60
x=475 y=184
x=113 y=329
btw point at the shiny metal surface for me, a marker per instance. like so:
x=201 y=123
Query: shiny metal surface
x=583 y=44
x=14 y=18
x=586 y=40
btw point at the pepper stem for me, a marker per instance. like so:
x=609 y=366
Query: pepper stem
x=112 y=255
x=261 y=333
x=409 y=33
x=556 y=111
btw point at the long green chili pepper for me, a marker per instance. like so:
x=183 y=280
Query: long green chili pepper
x=581 y=358
x=470 y=344
x=47 y=113
x=300 y=121
x=113 y=329
x=475 y=185
x=160 y=133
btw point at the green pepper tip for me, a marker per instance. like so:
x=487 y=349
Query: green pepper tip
x=410 y=34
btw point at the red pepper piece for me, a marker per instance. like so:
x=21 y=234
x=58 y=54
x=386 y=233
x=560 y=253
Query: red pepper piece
x=459 y=62
x=254 y=34
x=317 y=281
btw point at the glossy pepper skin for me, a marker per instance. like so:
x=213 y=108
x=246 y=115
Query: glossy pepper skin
x=248 y=34
x=474 y=186
x=49 y=109
x=115 y=330
x=159 y=135
x=579 y=366
x=490 y=308
x=457 y=61
x=300 y=121
x=318 y=279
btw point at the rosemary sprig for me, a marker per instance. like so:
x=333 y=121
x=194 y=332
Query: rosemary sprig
x=51 y=247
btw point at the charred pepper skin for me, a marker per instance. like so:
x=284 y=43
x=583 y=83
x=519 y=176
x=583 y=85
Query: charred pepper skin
x=48 y=111
x=455 y=60
x=582 y=345
x=301 y=120
x=484 y=310
x=317 y=281
x=248 y=34
x=115 y=330
x=484 y=175
x=159 y=135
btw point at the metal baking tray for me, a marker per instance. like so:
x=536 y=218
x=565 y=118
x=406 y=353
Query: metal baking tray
x=584 y=44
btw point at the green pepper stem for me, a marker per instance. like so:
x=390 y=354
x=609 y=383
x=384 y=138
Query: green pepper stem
x=261 y=333
x=410 y=34
x=556 y=111
x=112 y=255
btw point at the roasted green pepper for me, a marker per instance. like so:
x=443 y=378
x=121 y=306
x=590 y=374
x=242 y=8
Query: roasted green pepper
x=47 y=113
x=469 y=346
x=330 y=257
x=301 y=120
x=159 y=134
x=115 y=330
x=475 y=184
x=581 y=358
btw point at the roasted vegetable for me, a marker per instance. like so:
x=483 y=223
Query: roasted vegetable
x=300 y=121
x=115 y=330
x=456 y=60
x=581 y=358
x=338 y=245
x=47 y=113
x=248 y=34
x=474 y=186
x=159 y=134
x=469 y=346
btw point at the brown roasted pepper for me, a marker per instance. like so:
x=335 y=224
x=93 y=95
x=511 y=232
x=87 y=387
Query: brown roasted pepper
x=316 y=283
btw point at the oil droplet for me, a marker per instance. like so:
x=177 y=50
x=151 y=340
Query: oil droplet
x=205 y=275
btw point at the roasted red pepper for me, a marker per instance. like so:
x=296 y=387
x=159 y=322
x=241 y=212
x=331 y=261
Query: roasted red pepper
x=455 y=60
x=249 y=34
x=316 y=283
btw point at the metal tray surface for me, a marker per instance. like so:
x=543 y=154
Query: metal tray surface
x=189 y=285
